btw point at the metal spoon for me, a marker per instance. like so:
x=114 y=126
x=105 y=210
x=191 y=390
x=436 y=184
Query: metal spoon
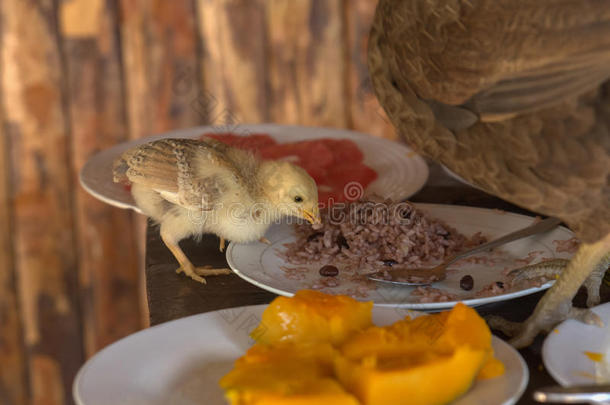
x=598 y=394
x=422 y=276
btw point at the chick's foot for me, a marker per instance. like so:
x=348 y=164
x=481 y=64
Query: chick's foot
x=198 y=273
x=186 y=267
x=190 y=272
x=205 y=271
x=556 y=305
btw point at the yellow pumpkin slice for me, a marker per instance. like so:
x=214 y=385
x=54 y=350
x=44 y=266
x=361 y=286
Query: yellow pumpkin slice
x=311 y=316
x=431 y=379
x=285 y=374
x=432 y=359
x=492 y=368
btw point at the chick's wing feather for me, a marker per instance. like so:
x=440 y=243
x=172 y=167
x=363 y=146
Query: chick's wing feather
x=193 y=174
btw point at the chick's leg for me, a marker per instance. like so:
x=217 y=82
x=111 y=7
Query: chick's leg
x=196 y=273
x=556 y=305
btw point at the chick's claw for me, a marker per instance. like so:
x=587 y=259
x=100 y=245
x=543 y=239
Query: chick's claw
x=210 y=271
x=190 y=272
x=198 y=273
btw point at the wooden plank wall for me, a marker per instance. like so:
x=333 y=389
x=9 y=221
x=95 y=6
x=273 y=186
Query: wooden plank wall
x=78 y=76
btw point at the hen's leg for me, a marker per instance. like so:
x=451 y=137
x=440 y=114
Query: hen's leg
x=196 y=273
x=222 y=245
x=556 y=304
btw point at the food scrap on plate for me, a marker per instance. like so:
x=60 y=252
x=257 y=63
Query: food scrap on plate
x=371 y=236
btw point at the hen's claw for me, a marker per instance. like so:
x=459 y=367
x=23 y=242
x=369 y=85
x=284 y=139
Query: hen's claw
x=593 y=284
x=523 y=334
x=585 y=316
x=509 y=328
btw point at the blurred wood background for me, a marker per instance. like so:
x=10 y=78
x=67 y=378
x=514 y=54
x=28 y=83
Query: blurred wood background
x=78 y=76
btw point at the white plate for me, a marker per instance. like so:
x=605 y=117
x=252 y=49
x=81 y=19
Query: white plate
x=181 y=362
x=401 y=173
x=564 y=350
x=262 y=264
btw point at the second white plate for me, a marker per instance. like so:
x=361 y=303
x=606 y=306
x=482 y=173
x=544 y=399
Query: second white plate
x=567 y=349
x=181 y=362
x=262 y=264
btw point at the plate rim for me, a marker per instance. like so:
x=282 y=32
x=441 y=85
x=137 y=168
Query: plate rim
x=187 y=319
x=419 y=306
x=189 y=132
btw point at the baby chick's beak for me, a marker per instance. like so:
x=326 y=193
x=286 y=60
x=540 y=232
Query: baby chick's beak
x=312 y=215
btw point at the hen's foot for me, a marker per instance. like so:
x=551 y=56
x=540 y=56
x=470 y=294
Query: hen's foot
x=264 y=240
x=523 y=334
x=556 y=305
x=198 y=273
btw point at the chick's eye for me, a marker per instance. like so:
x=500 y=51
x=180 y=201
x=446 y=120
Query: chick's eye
x=298 y=199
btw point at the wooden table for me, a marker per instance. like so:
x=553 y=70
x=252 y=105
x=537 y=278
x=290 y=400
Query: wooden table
x=172 y=296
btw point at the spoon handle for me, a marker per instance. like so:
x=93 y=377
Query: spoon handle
x=539 y=227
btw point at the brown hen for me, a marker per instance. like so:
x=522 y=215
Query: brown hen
x=512 y=95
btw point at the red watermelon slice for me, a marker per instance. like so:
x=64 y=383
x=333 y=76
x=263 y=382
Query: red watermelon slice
x=332 y=163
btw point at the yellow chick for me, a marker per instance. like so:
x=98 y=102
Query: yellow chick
x=191 y=187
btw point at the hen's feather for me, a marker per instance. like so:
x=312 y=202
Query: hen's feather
x=509 y=94
x=455 y=51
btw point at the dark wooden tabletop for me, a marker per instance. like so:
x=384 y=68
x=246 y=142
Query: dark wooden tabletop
x=172 y=296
